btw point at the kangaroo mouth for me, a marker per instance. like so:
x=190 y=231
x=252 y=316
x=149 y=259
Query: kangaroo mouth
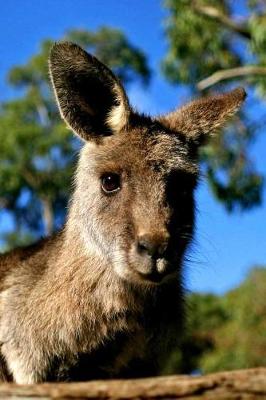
x=146 y=270
x=153 y=270
x=154 y=277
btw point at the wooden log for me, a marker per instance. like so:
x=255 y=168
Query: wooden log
x=236 y=385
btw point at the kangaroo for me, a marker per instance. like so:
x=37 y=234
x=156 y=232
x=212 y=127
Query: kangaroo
x=104 y=298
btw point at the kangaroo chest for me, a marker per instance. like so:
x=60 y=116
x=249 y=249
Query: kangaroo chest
x=117 y=356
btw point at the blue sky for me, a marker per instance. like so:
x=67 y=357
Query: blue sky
x=226 y=246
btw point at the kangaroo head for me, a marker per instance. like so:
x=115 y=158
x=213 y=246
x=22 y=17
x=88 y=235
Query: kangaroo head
x=134 y=197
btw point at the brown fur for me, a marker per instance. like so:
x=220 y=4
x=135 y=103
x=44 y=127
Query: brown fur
x=94 y=301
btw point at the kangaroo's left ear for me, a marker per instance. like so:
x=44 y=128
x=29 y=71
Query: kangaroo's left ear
x=198 y=119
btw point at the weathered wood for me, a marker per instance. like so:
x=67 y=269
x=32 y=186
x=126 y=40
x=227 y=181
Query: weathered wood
x=236 y=385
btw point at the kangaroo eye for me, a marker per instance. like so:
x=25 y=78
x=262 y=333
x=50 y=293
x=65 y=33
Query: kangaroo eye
x=111 y=182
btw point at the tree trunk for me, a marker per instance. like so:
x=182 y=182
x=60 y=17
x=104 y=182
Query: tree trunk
x=233 y=385
x=48 y=216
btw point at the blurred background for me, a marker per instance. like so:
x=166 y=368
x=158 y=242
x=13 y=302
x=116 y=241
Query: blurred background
x=165 y=52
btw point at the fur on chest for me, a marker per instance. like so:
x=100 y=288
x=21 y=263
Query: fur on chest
x=114 y=353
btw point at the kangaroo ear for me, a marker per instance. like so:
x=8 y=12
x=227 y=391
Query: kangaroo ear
x=198 y=119
x=91 y=99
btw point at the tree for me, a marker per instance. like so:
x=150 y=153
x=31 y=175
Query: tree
x=222 y=43
x=240 y=342
x=224 y=332
x=36 y=149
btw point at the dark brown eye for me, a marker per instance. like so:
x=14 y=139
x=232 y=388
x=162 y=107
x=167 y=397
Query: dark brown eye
x=111 y=182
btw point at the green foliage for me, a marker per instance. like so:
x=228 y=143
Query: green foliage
x=205 y=36
x=225 y=332
x=241 y=341
x=36 y=149
x=194 y=37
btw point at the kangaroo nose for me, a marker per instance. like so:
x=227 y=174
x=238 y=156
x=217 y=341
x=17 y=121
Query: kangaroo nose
x=154 y=246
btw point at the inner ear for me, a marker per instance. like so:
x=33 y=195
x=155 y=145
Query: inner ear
x=94 y=98
x=91 y=99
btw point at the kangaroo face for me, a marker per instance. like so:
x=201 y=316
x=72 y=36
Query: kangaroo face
x=138 y=196
x=136 y=176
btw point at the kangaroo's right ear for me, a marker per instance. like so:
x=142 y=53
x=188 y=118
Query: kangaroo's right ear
x=91 y=99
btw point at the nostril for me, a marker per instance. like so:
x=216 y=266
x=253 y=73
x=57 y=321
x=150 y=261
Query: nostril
x=162 y=248
x=143 y=246
x=151 y=246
